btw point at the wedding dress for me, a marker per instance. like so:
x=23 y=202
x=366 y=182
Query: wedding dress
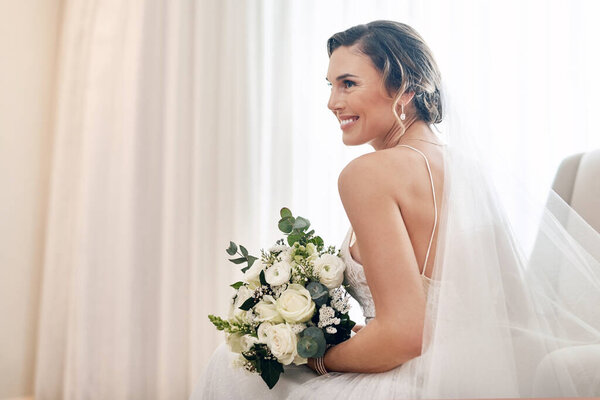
x=499 y=322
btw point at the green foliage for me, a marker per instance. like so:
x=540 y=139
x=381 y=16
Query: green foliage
x=219 y=323
x=245 y=257
x=265 y=363
x=318 y=293
x=248 y=304
x=237 y=285
x=231 y=326
x=263 y=280
x=270 y=371
x=312 y=342
x=232 y=249
x=344 y=329
x=296 y=229
x=307 y=347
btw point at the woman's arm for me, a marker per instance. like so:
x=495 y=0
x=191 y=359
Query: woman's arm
x=394 y=336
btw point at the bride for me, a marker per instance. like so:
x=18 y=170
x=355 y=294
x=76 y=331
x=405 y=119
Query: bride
x=454 y=308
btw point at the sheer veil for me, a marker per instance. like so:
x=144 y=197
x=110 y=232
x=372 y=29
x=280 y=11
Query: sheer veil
x=502 y=321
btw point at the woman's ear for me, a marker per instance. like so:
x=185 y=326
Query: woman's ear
x=407 y=97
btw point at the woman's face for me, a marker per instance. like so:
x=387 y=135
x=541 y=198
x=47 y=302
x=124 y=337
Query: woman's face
x=359 y=99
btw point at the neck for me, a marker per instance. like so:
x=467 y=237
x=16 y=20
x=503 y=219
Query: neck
x=413 y=129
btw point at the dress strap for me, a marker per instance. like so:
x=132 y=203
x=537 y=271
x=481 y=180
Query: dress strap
x=435 y=215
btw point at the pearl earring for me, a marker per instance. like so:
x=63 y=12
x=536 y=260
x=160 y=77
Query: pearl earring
x=402 y=115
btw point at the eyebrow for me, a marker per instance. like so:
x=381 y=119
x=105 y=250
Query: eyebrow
x=344 y=76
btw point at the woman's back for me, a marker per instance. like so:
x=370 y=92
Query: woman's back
x=412 y=170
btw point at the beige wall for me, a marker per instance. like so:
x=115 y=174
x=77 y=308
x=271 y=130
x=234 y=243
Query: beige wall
x=28 y=37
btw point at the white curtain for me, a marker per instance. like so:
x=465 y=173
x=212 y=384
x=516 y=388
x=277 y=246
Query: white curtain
x=181 y=125
x=150 y=178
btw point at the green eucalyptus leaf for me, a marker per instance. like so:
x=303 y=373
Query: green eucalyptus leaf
x=285 y=226
x=238 y=260
x=301 y=224
x=307 y=347
x=244 y=251
x=232 y=248
x=318 y=335
x=318 y=293
x=251 y=260
x=285 y=212
x=317 y=241
x=293 y=238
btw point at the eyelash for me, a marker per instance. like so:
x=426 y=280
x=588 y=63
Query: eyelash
x=345 y=82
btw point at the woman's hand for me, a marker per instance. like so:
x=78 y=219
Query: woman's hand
x=357 y=328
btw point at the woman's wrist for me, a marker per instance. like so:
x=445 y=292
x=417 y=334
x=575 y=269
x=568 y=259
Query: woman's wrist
x=318 y=365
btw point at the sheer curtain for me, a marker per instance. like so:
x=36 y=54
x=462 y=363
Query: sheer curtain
x=182 y=125
x=149 y=180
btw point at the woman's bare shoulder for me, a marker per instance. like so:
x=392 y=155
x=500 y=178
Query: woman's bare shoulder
x=381 y=170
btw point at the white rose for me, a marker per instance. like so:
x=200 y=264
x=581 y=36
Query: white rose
x=282 y=342
x=252 y=274
x=330 y=270
x=266 y=310
x=295 y=304
x=243 y=294
x=278 y=274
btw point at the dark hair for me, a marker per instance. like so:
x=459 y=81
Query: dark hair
x=403 y=58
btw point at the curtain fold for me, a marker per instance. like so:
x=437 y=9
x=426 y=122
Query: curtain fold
x=147 y=176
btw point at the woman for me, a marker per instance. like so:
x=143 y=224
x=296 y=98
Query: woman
x=453 y=309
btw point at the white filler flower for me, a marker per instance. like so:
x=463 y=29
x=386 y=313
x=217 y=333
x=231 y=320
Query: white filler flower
x=330 y=270
x=295 y=304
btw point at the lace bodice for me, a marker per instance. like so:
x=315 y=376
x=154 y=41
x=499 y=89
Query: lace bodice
x=354 y=276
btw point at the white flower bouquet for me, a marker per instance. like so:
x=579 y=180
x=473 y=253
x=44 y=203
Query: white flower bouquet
x=291 y=304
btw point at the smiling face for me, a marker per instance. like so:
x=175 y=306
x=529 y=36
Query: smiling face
x=359 y=99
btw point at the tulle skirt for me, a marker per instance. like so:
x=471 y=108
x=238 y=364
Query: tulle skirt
x=222 y=381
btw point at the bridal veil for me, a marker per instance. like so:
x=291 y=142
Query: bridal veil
x=502 y=321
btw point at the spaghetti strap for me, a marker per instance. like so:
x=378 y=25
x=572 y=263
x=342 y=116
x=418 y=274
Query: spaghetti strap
x=435 y=215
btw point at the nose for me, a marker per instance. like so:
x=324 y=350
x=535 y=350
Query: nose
x=334 y=102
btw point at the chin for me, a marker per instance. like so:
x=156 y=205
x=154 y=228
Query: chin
x=349 y=140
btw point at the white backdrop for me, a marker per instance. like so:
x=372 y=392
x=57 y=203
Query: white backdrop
x=182 y=125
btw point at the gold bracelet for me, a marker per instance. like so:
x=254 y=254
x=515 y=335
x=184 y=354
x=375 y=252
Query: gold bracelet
x=320 y=366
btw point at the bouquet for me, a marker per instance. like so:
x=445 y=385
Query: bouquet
x=291 y=304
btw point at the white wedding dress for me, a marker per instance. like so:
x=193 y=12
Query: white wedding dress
x=498 y=323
